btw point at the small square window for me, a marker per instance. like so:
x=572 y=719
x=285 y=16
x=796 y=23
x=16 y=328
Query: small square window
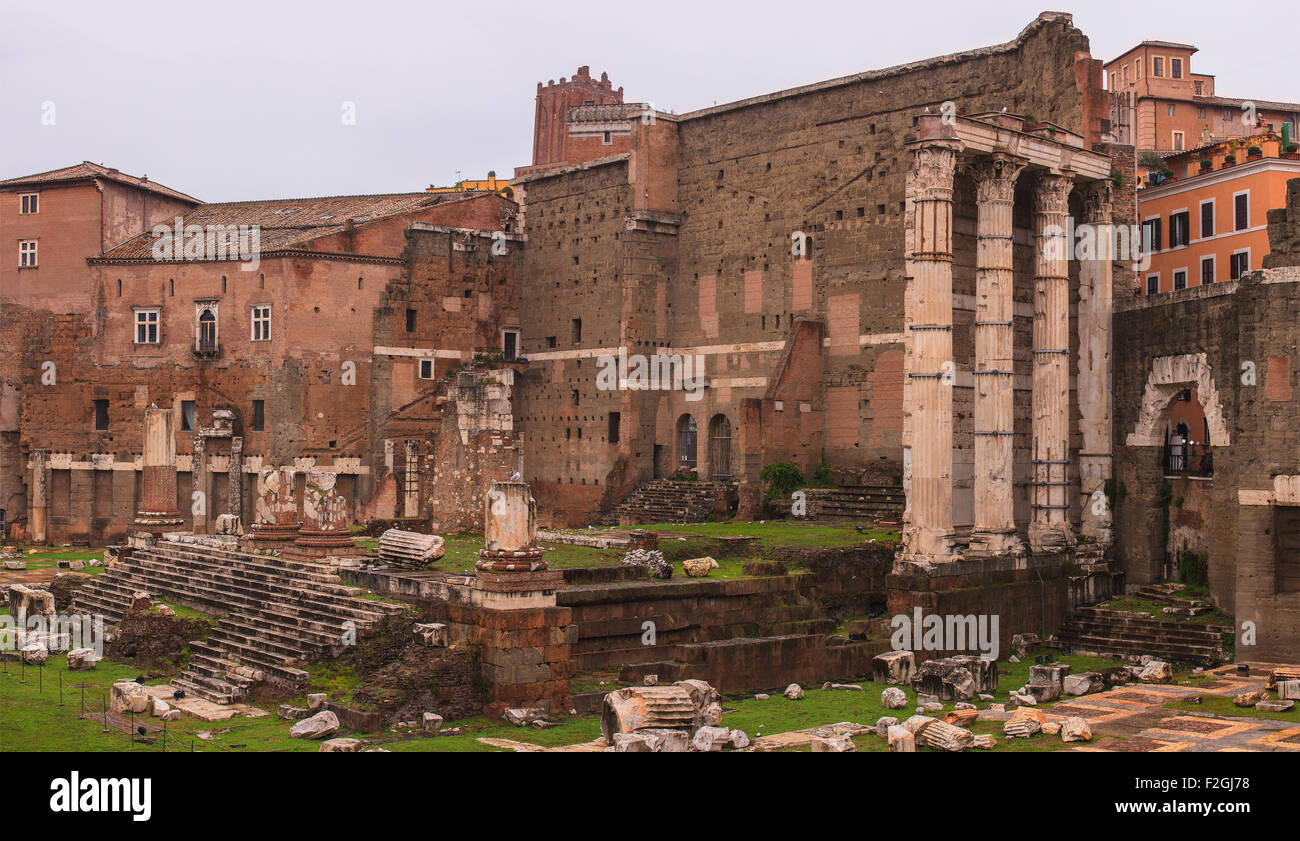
x=426 y=369
x=27 y=254
x=1153 y=284
x=28 y=203
x=1180 y=279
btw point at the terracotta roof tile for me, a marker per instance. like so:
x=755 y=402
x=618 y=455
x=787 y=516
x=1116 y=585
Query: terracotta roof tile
x=85 y=170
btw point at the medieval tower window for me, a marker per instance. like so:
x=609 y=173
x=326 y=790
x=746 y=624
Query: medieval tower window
x=261 y=315
x=101 y=414
x=187 y=415
x=410 y=320
x=259 y=415
x=205 y=338
x=510 y=344
x=576 y=336
x=146 y=327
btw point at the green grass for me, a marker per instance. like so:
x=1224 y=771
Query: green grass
x=1155 y=610
x=1222 y=705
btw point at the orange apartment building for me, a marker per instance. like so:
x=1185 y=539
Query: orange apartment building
x=1205 y=222
x=1158 y=103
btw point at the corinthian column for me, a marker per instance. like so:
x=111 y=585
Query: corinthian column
x=995 y=525
x=1050 y=529
x=157 y=512
x=1094 y=320
x=928 y=314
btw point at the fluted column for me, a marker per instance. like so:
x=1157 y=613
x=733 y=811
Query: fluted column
x=40 y=496
x=157 y=512
x=235 y=477
x=994 y=375
x=200 y=476
x=1094 y=389
x=1050 y=530
x=928 y=534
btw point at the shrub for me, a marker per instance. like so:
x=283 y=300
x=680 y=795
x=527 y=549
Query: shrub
x=783 y=478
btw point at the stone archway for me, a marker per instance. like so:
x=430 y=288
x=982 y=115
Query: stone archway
x=1169 y=375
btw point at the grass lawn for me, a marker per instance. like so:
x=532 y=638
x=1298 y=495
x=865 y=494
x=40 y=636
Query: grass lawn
x=1222 y=705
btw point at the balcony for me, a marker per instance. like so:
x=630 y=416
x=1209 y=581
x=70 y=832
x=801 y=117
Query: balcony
x=1195 y=460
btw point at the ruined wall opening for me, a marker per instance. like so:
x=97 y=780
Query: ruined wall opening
x=686 y=442
x=720 y=448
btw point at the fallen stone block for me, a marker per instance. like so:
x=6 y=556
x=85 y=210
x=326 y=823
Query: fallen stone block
x=35 y=654
x=82 y=659
x=707 y=739
x=893 y=698
x=432 y=634
x=1051 y=728
x=884 y=723
x=667 y=741
x=1022 y=644
x=432 y=722
x=318 y=726
x=960 y=718
x=631 y=743
x=984 y=741
x=1288 y=690
x=1156 y=671
x=900 y=739
x=699 y=567
x=948 y=679
x=1250 y=699
x=128 y=696
x=833 y=744
x=794 y=692
x=340 y=745
x=893 y=667
x=171 y=715
x=1021 y=728
x=944 y=736
x=1274 y=706
x=316 y=702
x=291 y=713
x=159 y=708
x=1076 y=729
x=1085 y=683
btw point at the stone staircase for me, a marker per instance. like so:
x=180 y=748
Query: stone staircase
x=859 y=503
x=664 y=501
x=275 y=614
x=1116 y=632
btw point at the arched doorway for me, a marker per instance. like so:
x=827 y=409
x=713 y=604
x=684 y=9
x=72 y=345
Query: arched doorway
x=720 y=448
x=686 y=442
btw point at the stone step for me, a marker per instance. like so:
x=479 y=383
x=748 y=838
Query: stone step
x=192 y=687
x=1202 y=655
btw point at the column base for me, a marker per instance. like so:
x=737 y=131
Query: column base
x=986 y=544
x=926 y=547
x=517 y=560
x=1050 y=537
x=270 y=535
x=158 y=523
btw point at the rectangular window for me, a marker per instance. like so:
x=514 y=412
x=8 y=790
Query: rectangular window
x=101 y=414
x=28 y=203
x=410 y=321
x=510 y=344
x=187 y=415
x=146 y=327
x=607 y=139
x=1153 y=284
x=1207 y=271
x=1178 y=138
x=1180 y=279
x=1157 y=66
x=426 y=369
x=1200 y=111
x=575 y=397
x=1170 y=109
x=577 y=330
x=1241 y=211
x=550 y=341
x=1240 y=264
x=1180 y=228
x=615 y=418
x=261 y=316
x=1151 y=235
x=1175 y=68
x=26 y=253
x=259 y=415
x=1207 y=219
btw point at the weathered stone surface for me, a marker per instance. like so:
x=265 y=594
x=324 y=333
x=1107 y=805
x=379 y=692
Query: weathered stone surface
x=984 y=741
x=884 y=723
x=1075 y=729
x=960 y=718
x=900 y=739
x=1085 y=683
x=739 y=739
x=34 y=654
x=1022 y=644
x=159 y=708
x=432 y=722
x=1021 y=728
x=631 y=743
x=128 y=696
x=1156 y=671
x=316 y=701
x=794 y=692
x=833 y=744
x=652 y=559
x=944 y=736
x=29 y=601
x=893 y=667
x=291 y=713
x=140 y=601
x=699 y=567
x=1274 y=706
x=340 y=745
x=1288 y=690
x=82 y=659
x=667 y=741
x=947 y=679
x=1250 y=699
x=708 y=739
x=893 y=698
x=318 y=726
x=432 y=634
x=524 y=716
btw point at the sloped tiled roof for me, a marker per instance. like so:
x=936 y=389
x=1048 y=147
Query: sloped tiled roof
x=291 y=223
x=86 y=169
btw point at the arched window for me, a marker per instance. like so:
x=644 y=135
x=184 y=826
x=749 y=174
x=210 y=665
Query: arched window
x=686 y=441
x=720 y=447
x=207 y=330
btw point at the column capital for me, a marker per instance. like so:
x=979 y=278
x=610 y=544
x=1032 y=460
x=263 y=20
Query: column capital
x=995 y=176
x=933 y=168
x=1052 y=192
x=1098 y=201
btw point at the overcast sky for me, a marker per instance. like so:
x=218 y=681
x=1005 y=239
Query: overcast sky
x=244 y=100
